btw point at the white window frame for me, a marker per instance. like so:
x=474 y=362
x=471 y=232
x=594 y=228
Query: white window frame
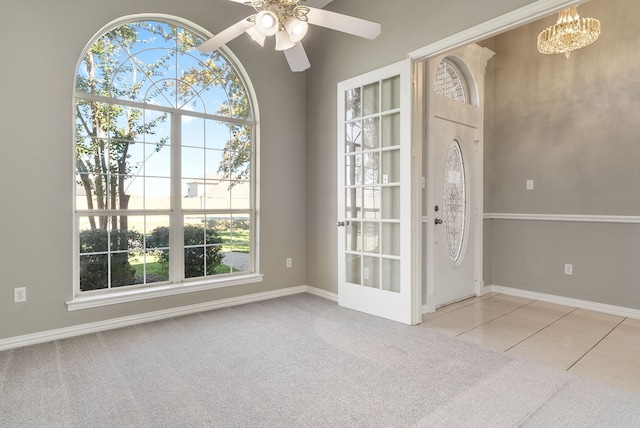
x=178 y=285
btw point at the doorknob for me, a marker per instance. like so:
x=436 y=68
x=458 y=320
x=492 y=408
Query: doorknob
x=438 y=221
x=343 y=223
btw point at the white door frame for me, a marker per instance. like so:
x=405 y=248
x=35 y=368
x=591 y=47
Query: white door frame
x=517 y=18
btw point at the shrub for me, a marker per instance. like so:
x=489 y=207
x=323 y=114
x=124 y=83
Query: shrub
x=200 y=249
x=94 y=267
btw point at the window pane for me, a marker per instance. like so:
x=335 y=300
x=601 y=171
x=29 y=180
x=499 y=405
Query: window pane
x=93 y=238
x=217 y=134
x=94 y=272
x=193 y=131
x=192 y=163
x=194 y=262
x=233 y=235
x=157 y=160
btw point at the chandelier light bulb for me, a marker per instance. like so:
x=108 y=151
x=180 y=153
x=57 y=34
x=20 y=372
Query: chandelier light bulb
x=296 y=29
x=267 y=22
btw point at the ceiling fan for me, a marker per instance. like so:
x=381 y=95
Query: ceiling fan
x=288 y=21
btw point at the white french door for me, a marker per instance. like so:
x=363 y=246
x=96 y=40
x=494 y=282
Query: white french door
x=375 y=238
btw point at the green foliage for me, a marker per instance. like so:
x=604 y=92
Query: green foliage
x=202 y=249
x=94 y=261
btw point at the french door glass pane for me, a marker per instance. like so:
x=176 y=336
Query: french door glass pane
x=353 y=136
x=391 y=130
x=391 y=275
x=352 y=104
x=391 y=202
x=353 y=205
x=371 y=237
x=391 y=93
x=391 y=239
x=371 y=196
x=391 y=166
x=371 y=167
x=371 y=133
x=352 y=268
x=353 y=236
x=371 y=100
x=371 y=272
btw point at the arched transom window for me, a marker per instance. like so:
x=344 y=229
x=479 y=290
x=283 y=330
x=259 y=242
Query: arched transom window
x=449 y=81
x=164 y=146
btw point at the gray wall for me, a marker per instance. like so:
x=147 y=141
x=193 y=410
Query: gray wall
x=407 y=25
x=41 y=42
x=572 y=126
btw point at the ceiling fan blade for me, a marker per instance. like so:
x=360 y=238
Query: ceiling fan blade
x=297 y=58
x=345 y=23
x=226 y=36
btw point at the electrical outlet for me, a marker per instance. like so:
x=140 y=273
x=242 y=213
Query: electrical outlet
x=289 y=262
x=19 y=294
x=366 y=273
x=568 y=269
x=529 y=184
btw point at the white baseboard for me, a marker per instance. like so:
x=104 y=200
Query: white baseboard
x=66 y=332
x=322 y=293
x=567 y=301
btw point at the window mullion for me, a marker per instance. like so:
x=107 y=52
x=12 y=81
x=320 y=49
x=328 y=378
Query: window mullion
x=176 y=236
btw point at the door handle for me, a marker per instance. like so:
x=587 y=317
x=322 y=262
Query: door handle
x=438 y=221
x=342 y=223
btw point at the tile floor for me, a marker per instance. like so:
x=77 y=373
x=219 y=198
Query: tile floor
x=592 y=344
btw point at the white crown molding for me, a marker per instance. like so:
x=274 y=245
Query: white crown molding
x=564 y=217
x=524 y=15
x=66 y=332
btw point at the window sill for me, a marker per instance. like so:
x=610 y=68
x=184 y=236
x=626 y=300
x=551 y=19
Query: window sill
x=132 y=295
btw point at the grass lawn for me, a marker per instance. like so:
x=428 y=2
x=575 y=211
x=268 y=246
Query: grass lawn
x=238 y=242
x=155 y=268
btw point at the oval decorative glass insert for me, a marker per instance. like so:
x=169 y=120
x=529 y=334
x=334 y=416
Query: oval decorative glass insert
x=455 y=201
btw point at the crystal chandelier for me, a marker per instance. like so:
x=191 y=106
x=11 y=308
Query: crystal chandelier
x=569 y=34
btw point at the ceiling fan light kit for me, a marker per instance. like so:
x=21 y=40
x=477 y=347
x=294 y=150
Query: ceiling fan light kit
x=289 y=22
x=267 y=23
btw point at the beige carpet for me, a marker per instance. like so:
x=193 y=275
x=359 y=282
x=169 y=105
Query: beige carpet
x=298 y=361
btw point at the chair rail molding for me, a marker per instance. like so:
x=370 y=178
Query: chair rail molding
x=564 y=217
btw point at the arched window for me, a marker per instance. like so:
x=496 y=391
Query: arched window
x=449 y=81
x=164 y=146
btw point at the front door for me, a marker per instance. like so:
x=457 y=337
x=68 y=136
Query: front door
x=374 y=194
x=454 y=215
x=454 y=208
